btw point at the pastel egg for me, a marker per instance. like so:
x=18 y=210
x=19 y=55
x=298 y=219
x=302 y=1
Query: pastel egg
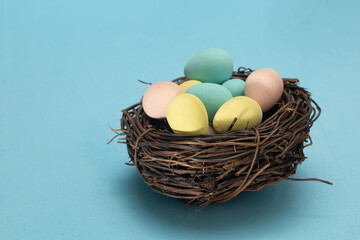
x=246 y=110
x=264 y=86
x=189 y=83
x=212 y=95
x=157 y=97
x=213 y=65
x=186 y=114
x=236 y=86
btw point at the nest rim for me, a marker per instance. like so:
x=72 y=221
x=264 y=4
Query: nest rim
x=214 y=168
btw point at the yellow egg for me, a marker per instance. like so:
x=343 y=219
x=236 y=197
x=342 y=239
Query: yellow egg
x=187 y=84
x=186 y=114
x=247 y=111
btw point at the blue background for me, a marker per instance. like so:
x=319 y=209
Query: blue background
x=68 y=68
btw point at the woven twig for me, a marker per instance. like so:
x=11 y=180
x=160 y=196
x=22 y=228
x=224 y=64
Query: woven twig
x=205 y=169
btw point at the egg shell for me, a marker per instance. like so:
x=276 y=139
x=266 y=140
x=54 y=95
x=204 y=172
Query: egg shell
x=186 y=114
x=246 y=110
x=265 y=86
x=235 y=86
x=157 y=97
x=212 y=95
x=212 y=65
x=189 y=83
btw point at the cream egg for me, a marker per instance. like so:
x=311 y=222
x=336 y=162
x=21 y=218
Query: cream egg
x=265 y=86
x=157 y=97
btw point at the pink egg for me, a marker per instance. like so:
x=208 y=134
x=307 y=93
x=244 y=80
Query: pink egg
x=157 y=98
x=265 y=86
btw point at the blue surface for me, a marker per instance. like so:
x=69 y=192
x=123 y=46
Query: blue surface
x=67 y=68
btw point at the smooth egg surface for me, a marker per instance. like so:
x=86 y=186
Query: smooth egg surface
x=213 y=65
x=186 y=114
x=187 y=84
x=246 y=110
x=212 y=95
x=235 y=86
x=157 y=97
x=265 y=86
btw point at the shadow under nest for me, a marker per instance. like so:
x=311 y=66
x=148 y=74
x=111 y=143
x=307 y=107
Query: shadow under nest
x=211 y=169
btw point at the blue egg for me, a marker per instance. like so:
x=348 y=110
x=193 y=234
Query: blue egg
x=213 y=65
x=212 y=95
x=236 y=86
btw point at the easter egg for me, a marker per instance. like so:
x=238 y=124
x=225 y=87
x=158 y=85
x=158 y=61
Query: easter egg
x=212 y=95
x=246 y=110
x=235 y=86
x=213 y=65
x=186 y=114
x=187 y=84
x=157 y=97
x=265 y=86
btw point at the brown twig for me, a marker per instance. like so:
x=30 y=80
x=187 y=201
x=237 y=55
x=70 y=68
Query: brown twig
x=205 y=169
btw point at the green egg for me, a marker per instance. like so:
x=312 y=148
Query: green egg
x=212 y=95
x=213 y=65
x=236 y=86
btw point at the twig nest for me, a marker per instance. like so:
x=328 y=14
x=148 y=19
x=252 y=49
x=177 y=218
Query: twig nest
x=214 y=168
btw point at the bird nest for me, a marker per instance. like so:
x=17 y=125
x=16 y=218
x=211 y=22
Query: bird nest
x=214 y=168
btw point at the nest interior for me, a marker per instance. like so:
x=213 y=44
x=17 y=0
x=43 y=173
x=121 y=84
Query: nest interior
x=207 y=169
